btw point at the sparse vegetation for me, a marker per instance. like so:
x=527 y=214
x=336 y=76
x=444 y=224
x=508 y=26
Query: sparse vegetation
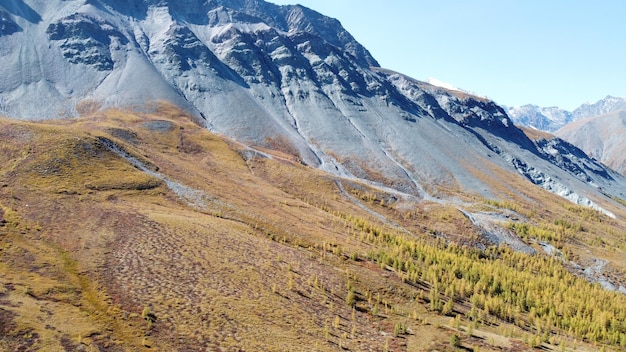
x=351 y=298
x=273 y=255
x=455 y=341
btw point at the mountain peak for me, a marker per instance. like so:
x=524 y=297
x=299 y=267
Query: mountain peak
x=551 y=119
x=547 y=119
x=601 y=107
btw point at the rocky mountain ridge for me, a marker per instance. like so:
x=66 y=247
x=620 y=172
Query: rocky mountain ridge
x=601 y=107
x=553 y=118
x=279 y=77
x=597 y=129
x=542 y=118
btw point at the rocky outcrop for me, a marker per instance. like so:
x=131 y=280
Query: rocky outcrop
x=86 y=40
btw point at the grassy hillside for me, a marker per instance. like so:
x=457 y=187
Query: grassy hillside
x=143 y=231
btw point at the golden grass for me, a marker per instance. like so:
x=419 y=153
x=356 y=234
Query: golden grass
x=43 y=292
x=266 y=263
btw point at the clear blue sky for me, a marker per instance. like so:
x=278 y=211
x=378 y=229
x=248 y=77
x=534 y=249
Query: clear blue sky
x=543 y=52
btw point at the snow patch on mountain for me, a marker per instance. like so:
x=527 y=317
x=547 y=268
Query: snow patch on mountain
x=603 y=106
x=542 y=118
x=442 y=84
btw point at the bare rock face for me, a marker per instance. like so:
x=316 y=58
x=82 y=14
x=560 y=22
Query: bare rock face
x=277 y=77
x=86 y=40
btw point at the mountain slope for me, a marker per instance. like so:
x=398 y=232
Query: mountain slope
x=280 y=77
x=303 y=196
x=601 y=137
x=127 y=231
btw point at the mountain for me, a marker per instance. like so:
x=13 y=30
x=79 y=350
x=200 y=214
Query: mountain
x=237 y=175
x=601 y=137
x=595 y=128
x=599 y=131
x=129 y=52
x=129 y=231
x=542 y=118
x=552 y=118
x=280 y=77
x=601 y=107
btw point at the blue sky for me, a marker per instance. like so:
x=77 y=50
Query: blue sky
x=548 y=53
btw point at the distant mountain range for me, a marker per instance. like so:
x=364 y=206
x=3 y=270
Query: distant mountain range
x=598 y=128
x=602 y=137
x=550 y=119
